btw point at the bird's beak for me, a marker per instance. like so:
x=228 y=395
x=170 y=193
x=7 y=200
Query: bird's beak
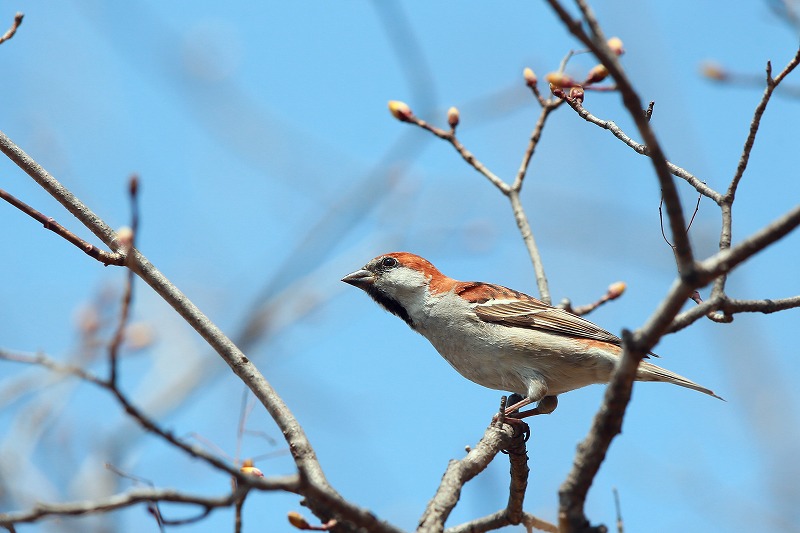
x=360 y=278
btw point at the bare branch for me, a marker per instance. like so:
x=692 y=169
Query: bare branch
x=469 y=157
x=403 y=113
x=301 y=448
x=641 y=149
x=91 y=250
x=608 y=422
x=614 y=291
x=533 y=249
x=320 y=496
x=597 y=44
x=500 y=519
x=772 y=84
x=731 y=307
x=13 y=29
x=519 y=470
x=117 y=501
x=127 y=296
x=460 y=472
x=726 y=231
x=548 y=107
x=291 y=483
x=592 y=451
x=328 y=502
x=726 y=260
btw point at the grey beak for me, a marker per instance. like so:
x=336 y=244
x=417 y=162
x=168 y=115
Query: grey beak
x=360 y=278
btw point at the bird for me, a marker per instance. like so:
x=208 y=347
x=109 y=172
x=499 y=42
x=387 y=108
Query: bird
x=500 y=338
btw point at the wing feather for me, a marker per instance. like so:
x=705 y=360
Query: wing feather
x=535 y=314
x=501 y=305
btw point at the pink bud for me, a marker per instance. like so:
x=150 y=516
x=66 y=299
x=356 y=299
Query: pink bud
x=559 y=80
x=400 y=111
x=615 y=43
x=453 y=117
x=615 y=290
x=530 y=77
x=598 y=73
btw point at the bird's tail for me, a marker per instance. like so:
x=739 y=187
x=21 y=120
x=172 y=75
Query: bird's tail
x=651 y=372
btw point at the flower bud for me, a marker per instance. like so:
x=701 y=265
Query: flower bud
x=133 y=185
x=297 y=520
x=576 y=93
x=400 y=110
x=138 y=336
x=598 y=73
x=249 y=469
x=615 y=290
x=714 y=71
x=125 y=237
x=530 y=77
x=559 y=80
x=615 y=43
x=453 y=117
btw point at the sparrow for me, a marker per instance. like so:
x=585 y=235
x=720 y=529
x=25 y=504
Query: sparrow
x=498 y=337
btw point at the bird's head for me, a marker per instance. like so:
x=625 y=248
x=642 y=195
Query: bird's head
x=400 y=282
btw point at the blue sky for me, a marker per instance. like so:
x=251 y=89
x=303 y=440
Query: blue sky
x=270 y=167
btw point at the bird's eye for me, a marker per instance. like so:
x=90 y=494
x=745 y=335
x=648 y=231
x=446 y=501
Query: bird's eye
x=389 y=262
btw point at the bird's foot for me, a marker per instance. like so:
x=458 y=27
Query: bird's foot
x=512 y=413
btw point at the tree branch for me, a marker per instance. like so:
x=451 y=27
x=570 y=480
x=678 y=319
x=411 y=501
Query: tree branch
x=641 y=149
x=117 y=501
x=13 y=29
x=322 y=499
x=458 y=473
x=597 y=44
x=403 y=113
x=592 y=451
x=499 y=520
x=107 y=258
x=726 y=204
x=731 y=307
x=242 y=367
x=291 y=483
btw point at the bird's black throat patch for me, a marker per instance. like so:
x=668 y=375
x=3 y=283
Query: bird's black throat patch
x=390 y=304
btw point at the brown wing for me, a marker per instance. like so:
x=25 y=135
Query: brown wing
x=535 y=314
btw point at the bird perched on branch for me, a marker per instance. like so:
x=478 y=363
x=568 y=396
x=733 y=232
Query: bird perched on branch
x=498 y=337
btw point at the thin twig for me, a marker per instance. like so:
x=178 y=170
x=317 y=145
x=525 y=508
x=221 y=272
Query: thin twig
x=643 y=340
x=127 y=296
x=499 y=520
x=772 y=84
x=13 y=29
x=726 y=231
x=510 y=191
x=614 y=291
x=726 y=260
x=320 y=496
x=237 y=521
x=597 y=44
x=107 y=258
x=468 y=156
x=117 y=501
x=536 y=134
x=289 y=483
x=641 y=149
x=152 y=507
